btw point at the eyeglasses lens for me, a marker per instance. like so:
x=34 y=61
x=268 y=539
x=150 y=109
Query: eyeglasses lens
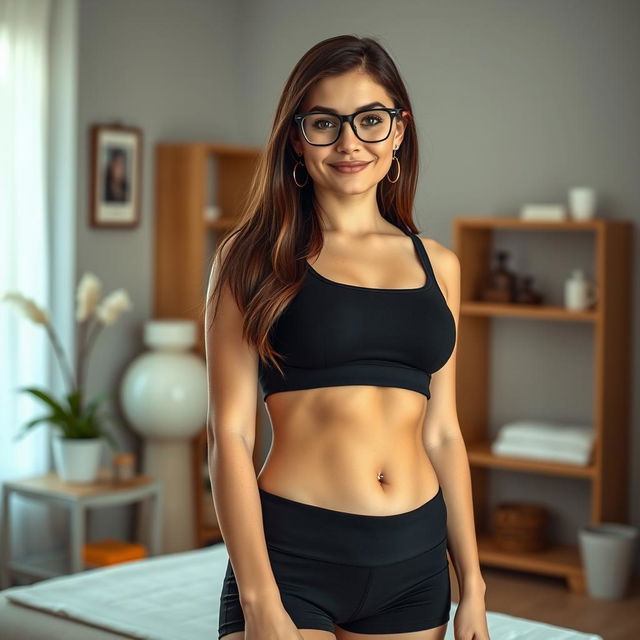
x=371 y=126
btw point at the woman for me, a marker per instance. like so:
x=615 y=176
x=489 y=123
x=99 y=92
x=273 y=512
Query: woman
x=326 y=292
x=116 y=185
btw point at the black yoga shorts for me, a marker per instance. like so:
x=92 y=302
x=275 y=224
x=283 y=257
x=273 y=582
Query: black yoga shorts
x=364 y=573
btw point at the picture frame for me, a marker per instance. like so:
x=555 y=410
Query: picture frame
x=116 y=170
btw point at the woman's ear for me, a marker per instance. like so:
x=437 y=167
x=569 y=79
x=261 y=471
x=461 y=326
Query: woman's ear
x=294 y=139
x=402 y=122
x=399 y=133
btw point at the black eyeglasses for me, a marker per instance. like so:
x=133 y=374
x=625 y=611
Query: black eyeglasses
x=370 y=125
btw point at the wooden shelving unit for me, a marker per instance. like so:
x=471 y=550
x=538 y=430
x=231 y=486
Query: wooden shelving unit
x=189 y=176
x=607 y=474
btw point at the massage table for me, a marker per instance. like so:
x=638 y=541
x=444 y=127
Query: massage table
x=168 y=597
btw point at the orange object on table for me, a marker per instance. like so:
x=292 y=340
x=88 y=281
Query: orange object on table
x=102 y=553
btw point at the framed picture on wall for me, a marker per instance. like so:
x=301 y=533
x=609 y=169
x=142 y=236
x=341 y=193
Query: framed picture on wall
x=116 y=164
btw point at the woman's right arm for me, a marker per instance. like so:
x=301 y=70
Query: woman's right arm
x=231 y=424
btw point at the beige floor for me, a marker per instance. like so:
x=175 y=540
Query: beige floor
x=548 y=600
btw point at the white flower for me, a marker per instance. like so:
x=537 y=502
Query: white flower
x=87 y=296
x=28 y=306
x=112 y=306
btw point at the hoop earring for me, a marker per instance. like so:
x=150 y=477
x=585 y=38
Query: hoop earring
x=295 y=166
x=398 y=161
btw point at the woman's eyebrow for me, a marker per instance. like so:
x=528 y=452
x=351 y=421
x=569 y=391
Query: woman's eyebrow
x=319 y=107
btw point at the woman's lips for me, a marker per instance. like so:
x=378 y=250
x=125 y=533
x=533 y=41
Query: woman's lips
x=354 y=168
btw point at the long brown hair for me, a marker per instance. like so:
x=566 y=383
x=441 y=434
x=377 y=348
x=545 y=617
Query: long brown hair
x=278 y=228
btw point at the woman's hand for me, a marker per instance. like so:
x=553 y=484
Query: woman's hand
x=470 y=620
x=269 y=622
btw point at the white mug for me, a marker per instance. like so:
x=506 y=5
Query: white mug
x=582 y=203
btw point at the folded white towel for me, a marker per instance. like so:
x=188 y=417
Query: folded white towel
x=524 y=442
x=545 y=431
x=570 y=457
x=555 y=212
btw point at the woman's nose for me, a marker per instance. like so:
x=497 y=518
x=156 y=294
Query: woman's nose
x=348 y=138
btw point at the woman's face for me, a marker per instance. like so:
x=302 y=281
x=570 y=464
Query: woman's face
x=346 y=94
x=118 y=168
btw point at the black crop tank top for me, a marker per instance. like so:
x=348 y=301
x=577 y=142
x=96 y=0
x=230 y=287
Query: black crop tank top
x=334 y=334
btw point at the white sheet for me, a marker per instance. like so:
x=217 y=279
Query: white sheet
x=177 y=596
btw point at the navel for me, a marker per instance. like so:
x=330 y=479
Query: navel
x=380 y=476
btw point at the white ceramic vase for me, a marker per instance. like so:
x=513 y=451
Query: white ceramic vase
x=579 y=293
x=164 y=397
x=77 y=460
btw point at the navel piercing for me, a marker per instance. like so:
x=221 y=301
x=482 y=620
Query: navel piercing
x=380 y=475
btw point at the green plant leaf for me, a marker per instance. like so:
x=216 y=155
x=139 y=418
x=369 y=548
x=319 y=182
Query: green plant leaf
x=93 y=406
x=46 y=398
x=73 y=421
x=32 y=423
x=74 y=400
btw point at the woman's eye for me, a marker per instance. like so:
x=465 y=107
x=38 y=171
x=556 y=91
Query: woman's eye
x=320 y=124
x=371 y=120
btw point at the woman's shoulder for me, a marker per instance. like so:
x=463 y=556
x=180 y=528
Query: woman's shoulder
x=439 y=252
x=444 y=261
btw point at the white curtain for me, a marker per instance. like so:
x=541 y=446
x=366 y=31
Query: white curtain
x=25 y=354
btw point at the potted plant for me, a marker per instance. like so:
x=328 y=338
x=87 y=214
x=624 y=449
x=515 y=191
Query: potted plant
x=81 y=427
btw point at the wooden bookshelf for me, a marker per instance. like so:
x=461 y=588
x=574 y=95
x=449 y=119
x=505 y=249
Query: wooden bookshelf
x=607 y=473
x=189 y=177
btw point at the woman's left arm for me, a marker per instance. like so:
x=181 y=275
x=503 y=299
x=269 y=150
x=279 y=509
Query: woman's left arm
x=446 y=449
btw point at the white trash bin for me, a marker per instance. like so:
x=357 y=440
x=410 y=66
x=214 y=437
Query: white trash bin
x=607 y=551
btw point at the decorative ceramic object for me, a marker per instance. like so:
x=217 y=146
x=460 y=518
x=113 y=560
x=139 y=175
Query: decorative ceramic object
x=579 y=293
x=164 y=396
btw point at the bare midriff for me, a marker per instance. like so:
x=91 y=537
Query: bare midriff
x=355 y=448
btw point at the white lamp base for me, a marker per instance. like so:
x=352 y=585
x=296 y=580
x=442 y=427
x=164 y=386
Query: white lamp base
x=170 y=461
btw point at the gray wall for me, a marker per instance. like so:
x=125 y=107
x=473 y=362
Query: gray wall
x=515 y=102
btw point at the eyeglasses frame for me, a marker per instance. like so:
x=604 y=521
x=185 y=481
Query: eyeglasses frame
x=394 y=112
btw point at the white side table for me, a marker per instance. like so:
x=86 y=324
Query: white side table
x=78 y=498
